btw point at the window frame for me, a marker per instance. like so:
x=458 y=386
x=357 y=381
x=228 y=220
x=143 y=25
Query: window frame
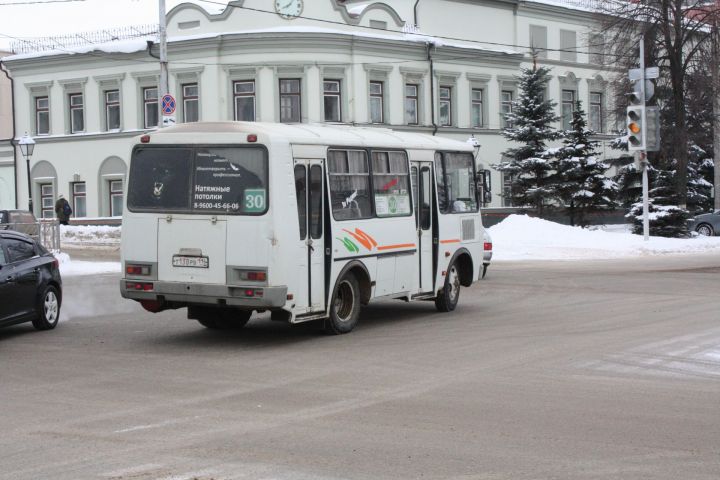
x=51 y=196
x=78 y=195
x=190 y=98
x=380 y=96
x=599 y=106
x=291 y=95
x=148 y=103
x=477 y=103
x=567 y=103
x=112 y=104
x=114 y=193
x=42 y=110
x=332 y=94
x=506 y=103
x=73 y=108
x=448 y=100
x=416 y=101
x=238 y=95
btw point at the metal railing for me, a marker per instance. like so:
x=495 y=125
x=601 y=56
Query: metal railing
x=45 y=232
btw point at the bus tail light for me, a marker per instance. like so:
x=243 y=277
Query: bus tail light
x=487 y=246
x=256 y=276
x=132 y=269
x=259 y=276
x=145 y=139
x=139 y=286
x=252 y=138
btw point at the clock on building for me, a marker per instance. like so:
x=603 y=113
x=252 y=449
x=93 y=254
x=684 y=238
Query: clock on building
x=289 y=8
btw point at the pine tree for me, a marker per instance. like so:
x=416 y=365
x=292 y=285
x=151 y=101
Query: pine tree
x=700 y=178
x=667 y=219
x=580 y=182
x=530 y=124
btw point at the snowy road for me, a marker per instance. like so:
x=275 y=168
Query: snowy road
x=577 y=370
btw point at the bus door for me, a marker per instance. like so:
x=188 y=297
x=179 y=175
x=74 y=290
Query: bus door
x=421 y=175
x=309 y=188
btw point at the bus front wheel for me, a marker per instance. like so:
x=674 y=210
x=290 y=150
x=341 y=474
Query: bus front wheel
x=219 y=318
x=344 y=307
x=447 y=299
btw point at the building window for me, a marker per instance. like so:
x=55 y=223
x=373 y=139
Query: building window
x=568 y=107
x=191 y=111
x=476 y=99
x=244 y=92
x=47 y=200
x=506 y=106
x=42 y=115
x=290 y=100
x=116 y=198
x=112 y=109
x=376 y=102
x=79 y=199
x=596 y=48
x=596 y=116
x=445 y=106
x=331 y=99
x=411 y=104
x=568 y=45
x=507 y=181
x=538 y=40
x=150 y=102
x=77 y=113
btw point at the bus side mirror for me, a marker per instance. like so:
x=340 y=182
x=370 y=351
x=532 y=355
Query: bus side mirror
x=483 y=184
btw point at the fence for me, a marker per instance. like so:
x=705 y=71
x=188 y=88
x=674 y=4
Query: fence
x=46 y=232
x=74 y=40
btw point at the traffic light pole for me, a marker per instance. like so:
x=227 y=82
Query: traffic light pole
x=643 y=154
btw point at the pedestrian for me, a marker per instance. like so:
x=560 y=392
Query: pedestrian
x=62 y=210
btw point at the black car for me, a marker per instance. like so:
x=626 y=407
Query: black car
x=30 y=284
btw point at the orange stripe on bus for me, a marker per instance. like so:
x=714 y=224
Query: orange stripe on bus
x=401 y=245
x=453 y=240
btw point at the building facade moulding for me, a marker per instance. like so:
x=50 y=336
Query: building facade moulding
x=353 y=13
x=213 y=17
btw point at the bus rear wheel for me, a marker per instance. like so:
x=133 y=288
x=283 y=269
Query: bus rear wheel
x=344 y=306
x=219 y=318
x=447 y=299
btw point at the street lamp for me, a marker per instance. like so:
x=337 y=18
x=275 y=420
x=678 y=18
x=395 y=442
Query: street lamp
x=27 y=146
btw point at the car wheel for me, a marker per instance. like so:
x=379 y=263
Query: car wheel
x=705 y=230
x=220 y=318
x=447 y=299
x=344 y=306
x=47 y=309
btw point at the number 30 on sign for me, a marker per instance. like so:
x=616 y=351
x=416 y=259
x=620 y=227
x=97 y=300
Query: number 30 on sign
x=255 y=200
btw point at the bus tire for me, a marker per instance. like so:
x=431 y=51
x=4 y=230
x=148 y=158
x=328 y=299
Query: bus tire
x=344 y=306
x=220 y=318
x=447 y=299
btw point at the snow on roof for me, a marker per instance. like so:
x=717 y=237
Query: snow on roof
x=140 y=44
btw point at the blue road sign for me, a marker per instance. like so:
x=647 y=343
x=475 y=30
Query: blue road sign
x=168 y=104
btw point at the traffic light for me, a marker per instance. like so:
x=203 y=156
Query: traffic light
x=652 y=130
x=635 y=128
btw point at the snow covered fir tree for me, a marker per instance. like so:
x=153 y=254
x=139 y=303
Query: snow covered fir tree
x=667 y=219
x=530 y=124
x=579 y=182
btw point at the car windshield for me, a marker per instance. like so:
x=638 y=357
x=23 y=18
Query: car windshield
x=228 y=180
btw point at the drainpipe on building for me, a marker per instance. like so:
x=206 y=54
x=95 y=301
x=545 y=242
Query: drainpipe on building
x=12 y=139
x=415 y=12
x=432 y=88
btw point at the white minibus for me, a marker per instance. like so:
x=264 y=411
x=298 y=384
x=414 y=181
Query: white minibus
x=306 y=221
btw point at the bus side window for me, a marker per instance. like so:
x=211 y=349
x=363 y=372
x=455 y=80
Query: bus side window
x=425 y=209
x=301 y=192
x=441 y=183
x=349 y=184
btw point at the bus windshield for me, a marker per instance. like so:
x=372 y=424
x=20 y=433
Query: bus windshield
x=202 y=180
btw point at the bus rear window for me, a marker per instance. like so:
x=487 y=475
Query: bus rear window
x=213 y=180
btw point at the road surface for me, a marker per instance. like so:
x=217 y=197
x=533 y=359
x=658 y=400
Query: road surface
x=576 y=370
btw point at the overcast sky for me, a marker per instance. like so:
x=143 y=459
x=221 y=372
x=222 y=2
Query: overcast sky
x=39 y=20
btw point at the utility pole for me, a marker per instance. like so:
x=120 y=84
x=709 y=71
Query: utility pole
x=164 y=86
x=643 y=154
x=715 y=66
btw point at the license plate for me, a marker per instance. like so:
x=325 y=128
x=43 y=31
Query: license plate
x=192 y=262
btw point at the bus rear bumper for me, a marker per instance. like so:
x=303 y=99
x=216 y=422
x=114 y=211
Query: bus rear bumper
x=182 y=294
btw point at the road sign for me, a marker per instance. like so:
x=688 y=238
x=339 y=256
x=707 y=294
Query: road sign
x=168 y=105
x=650 y=73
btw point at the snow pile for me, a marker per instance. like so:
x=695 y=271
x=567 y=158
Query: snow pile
x=83 y=235
x=520 y=237
x=70 y=267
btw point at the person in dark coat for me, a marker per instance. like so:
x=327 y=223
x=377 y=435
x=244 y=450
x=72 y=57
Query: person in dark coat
x=62 y=210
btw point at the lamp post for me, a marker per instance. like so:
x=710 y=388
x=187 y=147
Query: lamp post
x=27 y=146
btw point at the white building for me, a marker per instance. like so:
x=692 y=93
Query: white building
x=7 y=166
x=322 y=61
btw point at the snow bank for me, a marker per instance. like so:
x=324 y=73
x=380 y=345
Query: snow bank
x=520 y=237
x=97 y=235
x=70 y=267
